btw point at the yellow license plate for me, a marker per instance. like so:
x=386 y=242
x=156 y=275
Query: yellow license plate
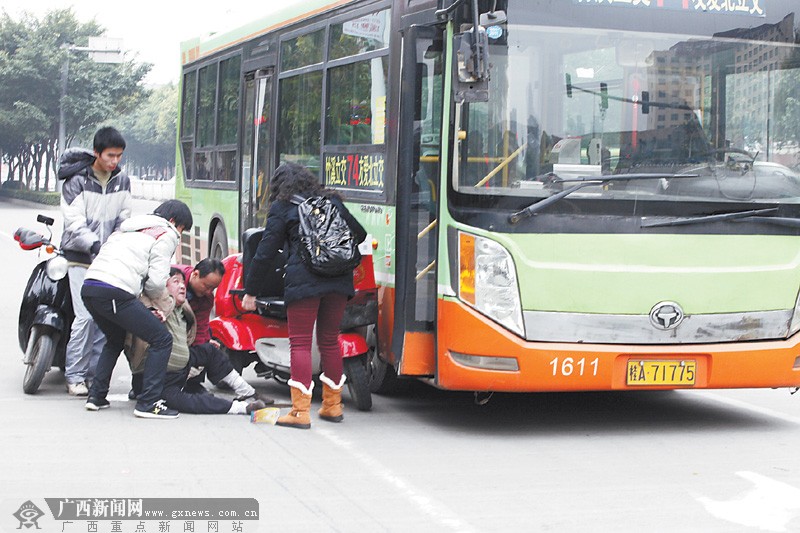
x=646 y=372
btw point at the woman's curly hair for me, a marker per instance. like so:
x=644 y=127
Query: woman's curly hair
x=290 y=179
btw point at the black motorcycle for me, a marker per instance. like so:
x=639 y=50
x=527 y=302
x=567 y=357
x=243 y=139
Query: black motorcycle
x=45 y=316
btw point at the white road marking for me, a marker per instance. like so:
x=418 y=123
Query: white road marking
x=769 y=506
x=118 y=398
x=434 y=509
x=748 y=406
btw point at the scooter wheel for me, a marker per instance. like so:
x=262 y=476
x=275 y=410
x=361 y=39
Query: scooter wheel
x=42 y=343
x=358 y=381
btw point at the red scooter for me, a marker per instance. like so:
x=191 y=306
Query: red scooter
x=262 y=337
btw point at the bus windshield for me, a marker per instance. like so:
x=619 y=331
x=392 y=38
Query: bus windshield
x=567 y=104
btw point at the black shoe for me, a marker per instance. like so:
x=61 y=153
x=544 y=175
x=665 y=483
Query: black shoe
x=95 y=404
x=158 y=409
x=262 y=370
x=193 y=387
x=257 y=397
x=255 y=406
x=132 y=394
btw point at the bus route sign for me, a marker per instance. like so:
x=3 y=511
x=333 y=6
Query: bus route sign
x=354 y=171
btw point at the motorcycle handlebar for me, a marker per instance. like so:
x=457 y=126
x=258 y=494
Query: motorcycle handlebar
x=29 y=239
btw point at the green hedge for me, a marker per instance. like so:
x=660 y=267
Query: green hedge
x=48 y=198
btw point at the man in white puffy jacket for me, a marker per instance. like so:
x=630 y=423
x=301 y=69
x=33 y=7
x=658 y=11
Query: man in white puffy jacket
x=135 y=259
x=95 y=199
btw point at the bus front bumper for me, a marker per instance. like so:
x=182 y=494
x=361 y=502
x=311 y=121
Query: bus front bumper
x=474 y=353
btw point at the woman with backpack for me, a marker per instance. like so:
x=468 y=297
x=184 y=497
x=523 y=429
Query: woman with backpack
x=310 y=297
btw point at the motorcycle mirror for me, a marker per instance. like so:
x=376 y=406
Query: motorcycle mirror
x=47 y=221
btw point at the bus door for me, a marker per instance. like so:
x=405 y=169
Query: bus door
x=256 y=148
x=413 y=335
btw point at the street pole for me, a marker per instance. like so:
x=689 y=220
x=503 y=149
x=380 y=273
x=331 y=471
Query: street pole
x=101 y=50
x=62 y=126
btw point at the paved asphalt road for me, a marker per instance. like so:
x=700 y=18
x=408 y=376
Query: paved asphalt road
x=426 y=460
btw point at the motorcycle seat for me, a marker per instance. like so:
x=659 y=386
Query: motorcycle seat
x=271 y=307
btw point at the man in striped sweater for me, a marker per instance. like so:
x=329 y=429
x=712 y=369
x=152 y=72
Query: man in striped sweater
x=180 y=321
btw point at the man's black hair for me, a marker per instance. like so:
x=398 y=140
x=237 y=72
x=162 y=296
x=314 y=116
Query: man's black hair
x=176 y=211
x=106 y=138
x=209 y=265
x=176 y=270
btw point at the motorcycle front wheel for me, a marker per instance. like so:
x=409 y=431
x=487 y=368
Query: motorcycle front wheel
x=355 y=368
x=42 y=343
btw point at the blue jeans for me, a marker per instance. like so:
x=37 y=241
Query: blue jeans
x=116 y=313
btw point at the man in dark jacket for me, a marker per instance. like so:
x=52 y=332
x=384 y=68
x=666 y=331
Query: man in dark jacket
x=201 y=281
x=95 y=199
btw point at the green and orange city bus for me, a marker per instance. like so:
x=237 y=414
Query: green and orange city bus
x=560 y=195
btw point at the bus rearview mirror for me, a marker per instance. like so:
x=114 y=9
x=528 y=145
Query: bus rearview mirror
x=472 y=67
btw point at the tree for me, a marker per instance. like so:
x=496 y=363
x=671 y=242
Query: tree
x=787 y=98
x=150 y=131
x=33 y=53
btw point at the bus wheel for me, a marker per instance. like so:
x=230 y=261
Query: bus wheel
x=355 y=368
x=382 y=376
x=219 y=243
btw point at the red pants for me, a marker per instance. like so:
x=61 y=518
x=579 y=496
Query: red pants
x=327 y=312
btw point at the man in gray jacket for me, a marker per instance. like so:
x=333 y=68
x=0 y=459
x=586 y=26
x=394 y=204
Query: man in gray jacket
x=95 y=199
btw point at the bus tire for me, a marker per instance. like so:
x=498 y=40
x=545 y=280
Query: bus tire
x=355 y=368
x=42 y=344
x=219 y=243
x=382 y=376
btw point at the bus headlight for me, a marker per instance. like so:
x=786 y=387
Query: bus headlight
x=488 y=281
x=57 y=267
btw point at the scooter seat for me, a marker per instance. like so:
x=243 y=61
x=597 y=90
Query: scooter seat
x=271 y=307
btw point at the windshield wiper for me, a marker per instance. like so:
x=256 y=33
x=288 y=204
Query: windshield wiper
x=753 y=214
x=779 y=221
x=585 y=181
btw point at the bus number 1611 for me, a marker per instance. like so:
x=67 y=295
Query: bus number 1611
x=569 y=366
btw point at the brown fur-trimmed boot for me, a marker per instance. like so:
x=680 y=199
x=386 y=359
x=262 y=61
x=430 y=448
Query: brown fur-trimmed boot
x=331 y=399
x=298 y=417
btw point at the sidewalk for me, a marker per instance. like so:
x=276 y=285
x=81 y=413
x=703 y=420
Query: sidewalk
x=140 y=206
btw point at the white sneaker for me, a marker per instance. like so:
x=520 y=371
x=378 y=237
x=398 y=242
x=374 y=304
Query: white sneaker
x=77 y=389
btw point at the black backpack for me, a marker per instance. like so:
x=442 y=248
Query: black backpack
x=327 y=245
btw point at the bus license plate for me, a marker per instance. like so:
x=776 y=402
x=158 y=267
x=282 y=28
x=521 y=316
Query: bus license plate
x=661 y=372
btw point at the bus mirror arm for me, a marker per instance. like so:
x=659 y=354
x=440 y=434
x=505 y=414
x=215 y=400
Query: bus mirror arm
x=445 y=13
